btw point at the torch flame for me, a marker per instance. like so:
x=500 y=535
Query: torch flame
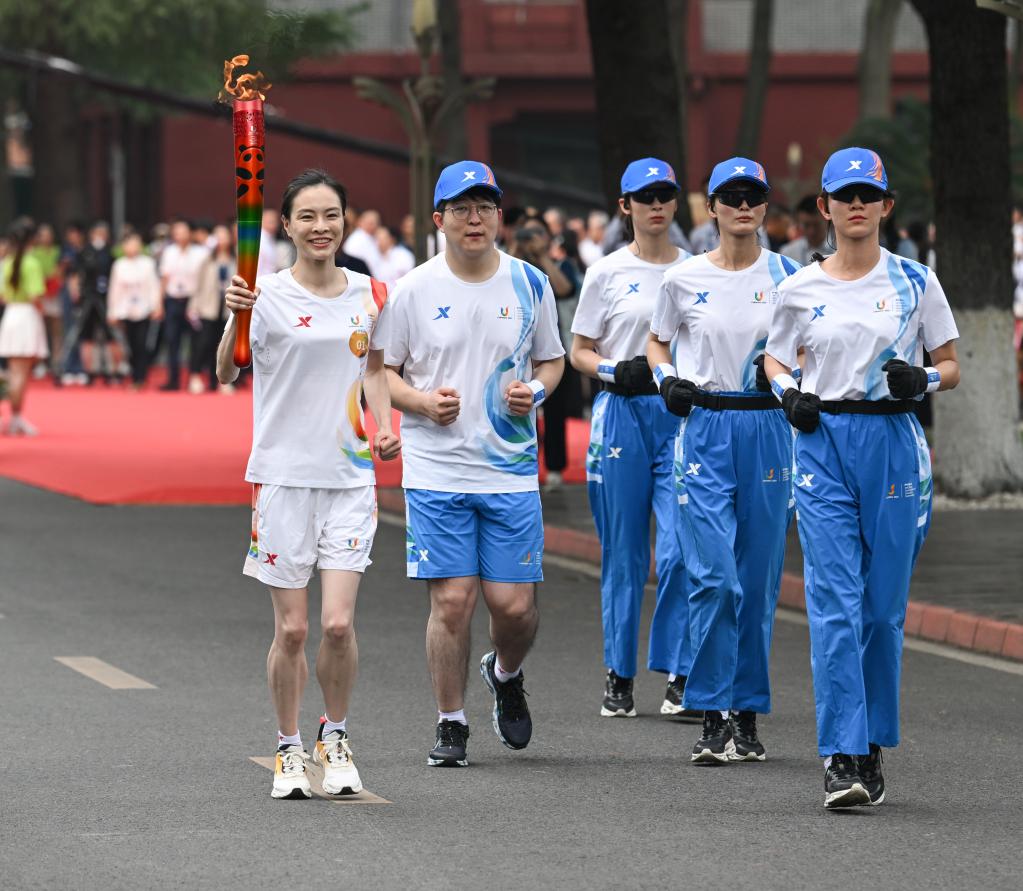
x=246 y=86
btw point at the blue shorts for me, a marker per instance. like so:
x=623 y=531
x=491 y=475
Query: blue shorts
x=496 y=536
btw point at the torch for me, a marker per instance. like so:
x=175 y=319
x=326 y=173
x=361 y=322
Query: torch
x=247 y=93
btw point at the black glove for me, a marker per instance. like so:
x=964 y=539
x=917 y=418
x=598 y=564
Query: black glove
x=763 y=383
x=634 y=374
x=904 y=380
x=802 y=409
x=678 y=395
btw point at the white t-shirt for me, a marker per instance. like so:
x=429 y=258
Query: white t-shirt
x=617 y=301
x=309 y=359
x=364 y=246
x=181 y=269
x=134 y=288
x=721 y=318
x=477 y=338
x=850 y=329
x=396 y=263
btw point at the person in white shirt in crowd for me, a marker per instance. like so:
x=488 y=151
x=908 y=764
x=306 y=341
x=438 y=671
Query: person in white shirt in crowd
x=705 y=237
x=395 y=260
x=733 y=459
x=362 y=243
x=472 y=349
x=632 y=443
x=863 y=318
x=813 y=238
x=133 y=303
x=180 y=263
x=268 y=254
x=315 y=350
x=590 y=250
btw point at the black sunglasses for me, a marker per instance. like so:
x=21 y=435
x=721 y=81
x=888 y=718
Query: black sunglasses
x=649 y=196
x=866 y=194
x=735 y=197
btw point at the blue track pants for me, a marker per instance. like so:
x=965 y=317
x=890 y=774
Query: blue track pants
x=629 y=475
x=734 y=478
x=863 y=494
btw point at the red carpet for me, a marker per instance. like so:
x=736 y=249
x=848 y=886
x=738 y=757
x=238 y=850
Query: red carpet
x=113 y=446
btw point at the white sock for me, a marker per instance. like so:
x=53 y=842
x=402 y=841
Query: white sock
x=283 y=740
x=330 y=726
x=503 y=676
x=671 y=677
x=458 y=716
x=724 y=713
x=827 y=762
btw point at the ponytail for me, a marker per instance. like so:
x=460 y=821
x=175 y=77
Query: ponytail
x=21 y=235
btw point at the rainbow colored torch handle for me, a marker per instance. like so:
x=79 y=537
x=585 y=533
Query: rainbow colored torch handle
x=249 y=146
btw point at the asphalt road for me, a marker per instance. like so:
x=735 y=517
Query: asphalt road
x=154 y=788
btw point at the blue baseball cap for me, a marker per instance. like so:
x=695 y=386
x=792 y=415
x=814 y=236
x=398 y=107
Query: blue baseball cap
x=458 y=178
x=737 y=170
x=854 y=165
x=647 y=172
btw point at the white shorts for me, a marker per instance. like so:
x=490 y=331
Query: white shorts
x=295 y=529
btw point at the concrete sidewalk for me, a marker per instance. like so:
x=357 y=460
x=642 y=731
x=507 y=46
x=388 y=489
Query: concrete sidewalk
x=967 y=590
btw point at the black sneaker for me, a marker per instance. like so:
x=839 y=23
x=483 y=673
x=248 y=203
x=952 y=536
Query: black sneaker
x=744 y=734
x=843 y=786
x=716 y=746
x=870 y=774
x=450 y=748
x=512 y=723
x=672 y=704
x=617 y=697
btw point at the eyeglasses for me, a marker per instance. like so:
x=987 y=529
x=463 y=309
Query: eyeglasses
x=736 y=197
x=461 y=212
x=649 y=196
x=866 y=194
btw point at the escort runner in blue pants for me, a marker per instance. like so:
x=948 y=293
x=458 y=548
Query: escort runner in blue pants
x=863 y=490
x=734 y=472
x=629 y=473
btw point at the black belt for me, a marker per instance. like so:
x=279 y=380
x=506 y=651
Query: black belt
x=618 y=390
x=869 y=406
x=718 y=402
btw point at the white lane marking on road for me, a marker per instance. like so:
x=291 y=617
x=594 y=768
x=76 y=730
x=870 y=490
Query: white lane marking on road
x=104 y=673
x=796 y=617
x=316 y=781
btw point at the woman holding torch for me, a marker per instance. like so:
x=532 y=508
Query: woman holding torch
x=314 y=497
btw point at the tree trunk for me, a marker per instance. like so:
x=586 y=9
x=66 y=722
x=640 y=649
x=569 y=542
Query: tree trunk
x=748 y=140
x=638 y=107
x=449 y=21
x=978 y=448
x=59 y=186
x=876 y=58
x=678 y=34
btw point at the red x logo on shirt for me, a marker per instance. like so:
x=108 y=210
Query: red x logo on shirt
x=303 y=322
x=271 y=559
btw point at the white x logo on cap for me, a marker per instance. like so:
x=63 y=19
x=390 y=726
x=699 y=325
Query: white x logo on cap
x=469 y=174
x=741 y=169
x=854 y=165
x=653 y=171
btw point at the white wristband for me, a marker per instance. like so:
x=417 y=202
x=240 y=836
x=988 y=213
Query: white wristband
x=782 y=383
x=606 y=371
x=539 y=391
x=933 y=379
x=663 y=370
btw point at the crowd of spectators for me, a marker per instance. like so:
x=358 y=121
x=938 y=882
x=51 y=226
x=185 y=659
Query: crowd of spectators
x=110 y=307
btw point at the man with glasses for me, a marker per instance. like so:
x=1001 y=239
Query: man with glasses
x=472 y=349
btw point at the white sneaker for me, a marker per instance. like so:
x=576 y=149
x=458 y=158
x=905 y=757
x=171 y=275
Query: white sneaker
x=339 y=774
x=20 y=427
x=290 y=780
x=553 y=482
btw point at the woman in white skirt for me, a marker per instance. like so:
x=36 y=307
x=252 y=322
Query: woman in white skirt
x=22 y=331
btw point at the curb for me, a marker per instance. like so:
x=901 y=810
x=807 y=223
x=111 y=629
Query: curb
x=939 y=624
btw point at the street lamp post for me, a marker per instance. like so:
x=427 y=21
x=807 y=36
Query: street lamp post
x=423 y=106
